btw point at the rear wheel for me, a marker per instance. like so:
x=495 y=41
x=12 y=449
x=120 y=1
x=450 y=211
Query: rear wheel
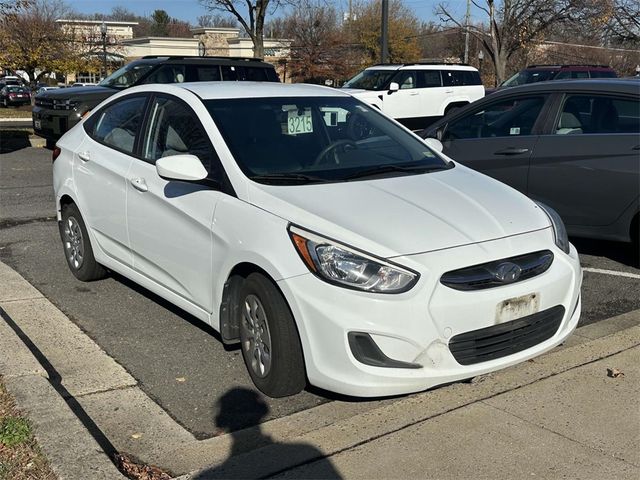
x=269 y=339
x=77 y=247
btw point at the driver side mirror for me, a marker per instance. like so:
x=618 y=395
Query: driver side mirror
x=181 y=167
x=393 y=87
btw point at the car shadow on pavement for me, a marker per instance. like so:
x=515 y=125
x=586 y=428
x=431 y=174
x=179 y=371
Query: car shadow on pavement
x=240 y=407
x=12 y=140
x=624 y=253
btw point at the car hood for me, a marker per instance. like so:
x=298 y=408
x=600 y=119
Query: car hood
x=360 y=92
x=82 y=94
x=405 y=215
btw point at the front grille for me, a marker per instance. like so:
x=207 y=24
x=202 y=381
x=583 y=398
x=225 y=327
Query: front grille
x=506 y=338
x=498 y=272
x=44 y=102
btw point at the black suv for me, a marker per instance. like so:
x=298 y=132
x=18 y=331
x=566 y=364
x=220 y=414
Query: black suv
x=56 y=111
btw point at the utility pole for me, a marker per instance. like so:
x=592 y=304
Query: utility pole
x=384 y=37
x=466 y=35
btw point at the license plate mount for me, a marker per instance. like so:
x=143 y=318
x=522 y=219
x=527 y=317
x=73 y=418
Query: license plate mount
x=517 y=307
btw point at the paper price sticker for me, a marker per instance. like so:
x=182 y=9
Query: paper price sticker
x=297 y=124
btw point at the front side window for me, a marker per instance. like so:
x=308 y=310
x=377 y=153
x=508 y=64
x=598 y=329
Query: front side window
x=117 y=124
x=593 y=114
x=507 y=118
x=370 y=79
x=126 y=76
x=317 y=139
x=174 y=129
x=529 y=76
x=406 y=79
x=167 y=74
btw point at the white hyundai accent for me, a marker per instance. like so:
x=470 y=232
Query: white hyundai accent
x=333 y=244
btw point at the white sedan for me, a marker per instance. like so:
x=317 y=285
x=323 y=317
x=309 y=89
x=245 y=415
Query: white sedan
x=333 y=244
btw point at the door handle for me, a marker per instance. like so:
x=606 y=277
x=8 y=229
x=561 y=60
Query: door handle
x=139 y=184
x=511 y=151
x=637 y=147
x=84 y=156
x=413 y=94
x=448 y=91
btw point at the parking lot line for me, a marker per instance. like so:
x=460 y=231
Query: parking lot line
x=611 y=272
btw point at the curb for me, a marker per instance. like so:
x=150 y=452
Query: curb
x=65 y=398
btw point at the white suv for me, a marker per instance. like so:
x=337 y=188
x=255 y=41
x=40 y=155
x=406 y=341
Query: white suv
x=413 y=94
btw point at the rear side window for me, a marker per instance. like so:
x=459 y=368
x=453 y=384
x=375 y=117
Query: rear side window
x=507 y=118
x=602 y=74
x=117 y=124
x=458 y=78
x=593 y=114
x=429 y=78
x=207 y=73
x=242 y=73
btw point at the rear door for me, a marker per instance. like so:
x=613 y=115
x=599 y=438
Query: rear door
x=100 y=171
x=587 y=164
x=498 y=137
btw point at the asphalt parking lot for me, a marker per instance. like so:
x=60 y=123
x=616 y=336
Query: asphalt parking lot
x=178 y=361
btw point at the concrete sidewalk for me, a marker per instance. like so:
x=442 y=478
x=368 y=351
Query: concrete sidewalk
x=558 y=415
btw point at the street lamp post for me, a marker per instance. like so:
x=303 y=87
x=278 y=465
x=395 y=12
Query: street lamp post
x=103 y=32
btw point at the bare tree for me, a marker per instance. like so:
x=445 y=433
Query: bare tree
x=216 y=20
x=624 y=24
x=252 y=22
x=513 y=25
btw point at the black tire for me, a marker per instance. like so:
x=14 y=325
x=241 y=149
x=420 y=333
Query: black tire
x=50 y=144
x=77 y=246
x=451 y=109
x=286 y=373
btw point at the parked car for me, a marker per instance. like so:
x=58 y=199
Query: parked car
x=14 y=95
x=542 y=73
x=417 y=94
x=56 y=112
x=45 y=89
x=327 y=240
x=574 y=145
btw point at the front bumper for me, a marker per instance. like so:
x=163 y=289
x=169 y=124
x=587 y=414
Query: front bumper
x=52 y=124
x=415 y=327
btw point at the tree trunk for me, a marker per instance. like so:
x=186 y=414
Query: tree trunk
x=258 y=44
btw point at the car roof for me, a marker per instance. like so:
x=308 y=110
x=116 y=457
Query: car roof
x=615 y=85
x=422 y=66
x=569 y=67
x=220 y=90
x=193 y=60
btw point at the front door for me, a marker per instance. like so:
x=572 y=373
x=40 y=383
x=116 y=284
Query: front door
x=497 y=139
x=170 y=222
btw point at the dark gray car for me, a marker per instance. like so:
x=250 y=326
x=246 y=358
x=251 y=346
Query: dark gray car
x=574 y=145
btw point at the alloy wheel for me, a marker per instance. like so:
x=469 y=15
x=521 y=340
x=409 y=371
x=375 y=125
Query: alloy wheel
x=256 y=341
x=73 y=243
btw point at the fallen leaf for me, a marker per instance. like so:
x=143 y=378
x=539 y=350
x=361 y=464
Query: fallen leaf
x=136 y=435
x=139 y=471
x=181 y=379
x=614 y=373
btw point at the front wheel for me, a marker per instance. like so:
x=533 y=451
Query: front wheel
x=77 y=247
x=269 y=339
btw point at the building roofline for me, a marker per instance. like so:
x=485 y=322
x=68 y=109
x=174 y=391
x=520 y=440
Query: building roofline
x=95 y=22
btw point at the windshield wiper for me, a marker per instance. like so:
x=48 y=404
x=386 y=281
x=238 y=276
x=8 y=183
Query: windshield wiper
x=382 y=169
x=300 y=178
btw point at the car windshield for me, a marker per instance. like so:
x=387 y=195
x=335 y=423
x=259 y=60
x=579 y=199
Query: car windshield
x=370 y=79
x=529 y=76
x=297 y=140
x=126 y=76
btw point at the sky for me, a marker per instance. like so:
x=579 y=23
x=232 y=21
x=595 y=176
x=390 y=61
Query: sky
x=190 y=10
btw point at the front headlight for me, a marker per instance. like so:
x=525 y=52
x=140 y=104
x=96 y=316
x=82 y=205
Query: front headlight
x=559 y=230
x=347 y=267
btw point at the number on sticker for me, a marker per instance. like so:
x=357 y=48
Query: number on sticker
x=299 y=123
